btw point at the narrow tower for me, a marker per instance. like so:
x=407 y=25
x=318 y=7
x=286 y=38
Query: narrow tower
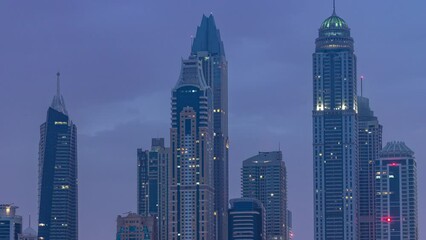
x=191 y=194
x=370 y=144
x=335 y=133
x=208 y=48
x=58 y=202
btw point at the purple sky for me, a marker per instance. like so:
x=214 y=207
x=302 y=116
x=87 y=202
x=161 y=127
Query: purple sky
x=119 y=61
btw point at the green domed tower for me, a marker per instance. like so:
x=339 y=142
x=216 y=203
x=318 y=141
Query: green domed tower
x=334 y=33
x=335 y=132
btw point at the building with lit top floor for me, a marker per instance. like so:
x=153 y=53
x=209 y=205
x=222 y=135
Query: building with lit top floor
x=10 y=223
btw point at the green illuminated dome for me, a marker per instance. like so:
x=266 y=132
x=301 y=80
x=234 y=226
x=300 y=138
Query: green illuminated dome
x=334 y=22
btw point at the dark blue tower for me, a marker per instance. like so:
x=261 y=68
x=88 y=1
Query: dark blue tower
x=208 y=48
x=58 y=201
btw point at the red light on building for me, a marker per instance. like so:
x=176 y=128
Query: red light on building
x=387 y=219
x=394 y=164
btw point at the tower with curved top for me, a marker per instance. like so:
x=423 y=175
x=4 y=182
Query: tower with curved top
x=396 y=193
x=191 y=184
x=335 y=132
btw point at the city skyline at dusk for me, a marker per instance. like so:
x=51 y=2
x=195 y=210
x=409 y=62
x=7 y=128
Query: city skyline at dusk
x=119 y=62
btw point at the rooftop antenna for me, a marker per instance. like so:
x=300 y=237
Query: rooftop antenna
x=334 y=7
x=362 y=80
x=192 y=40
x=29 y=221
x=58 y=84
x=279 y=146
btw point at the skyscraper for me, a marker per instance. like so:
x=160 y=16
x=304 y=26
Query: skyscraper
x=246 y=220
x=136 y=227
x=58 y=201
x=264 y=177
x=396 y=193
x=10 y=223
x=335 y=133
x=208 y=48
x=191 y=191
x=370 y=144
x=152 y=183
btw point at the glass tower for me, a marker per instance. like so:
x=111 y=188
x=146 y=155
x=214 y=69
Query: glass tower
x=396 y=193
x=58 y=212
x=246 y=219
x=208 y=48
x=335 y=133
x=264 y=177
x=152 y=184
x=191 y=190
x=370 y=144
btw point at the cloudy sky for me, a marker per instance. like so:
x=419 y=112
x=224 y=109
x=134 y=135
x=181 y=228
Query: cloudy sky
x=119 y=60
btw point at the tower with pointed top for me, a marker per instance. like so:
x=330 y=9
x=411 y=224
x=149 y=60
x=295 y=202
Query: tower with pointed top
x=335 y=132
x=191 y=184
x=58 y=201
x=208 y=48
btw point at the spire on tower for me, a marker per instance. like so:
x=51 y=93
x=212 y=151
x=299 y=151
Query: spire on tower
x=334 y=7
x=58 y=84
x=58 y=102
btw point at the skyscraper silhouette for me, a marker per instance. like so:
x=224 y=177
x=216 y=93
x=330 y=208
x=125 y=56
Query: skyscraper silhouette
x=370 y=144
x=335 y=133
x=208 y=48
x=58 y=201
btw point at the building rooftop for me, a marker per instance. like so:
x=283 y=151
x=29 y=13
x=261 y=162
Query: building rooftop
x=396 y=149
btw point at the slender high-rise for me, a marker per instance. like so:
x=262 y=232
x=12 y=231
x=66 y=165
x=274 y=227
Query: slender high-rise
x=191 y=186
x=370 y=144
x=58 y=201
x=396 y=193
x=335 y=133
x=208 y=48
x=264 y=177
x=153 y=184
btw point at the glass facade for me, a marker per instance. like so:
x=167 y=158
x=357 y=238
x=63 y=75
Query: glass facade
x=58 y=200
x=191 y=190
x=335 y=133
x=208 y=48
x=396 y=193
x=264 y=177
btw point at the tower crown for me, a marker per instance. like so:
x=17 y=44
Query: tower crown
x=58 y=102
x=334 y=22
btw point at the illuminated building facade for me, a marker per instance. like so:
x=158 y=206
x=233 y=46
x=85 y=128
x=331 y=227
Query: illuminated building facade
x=208 y=48
x=370 y=144
x=246 y=220
x=58 y=202
x=10 y=223
x=152 y=184
x=136 y=227
x=396 y=193
x=264 y=178
x=335 y=133
x=191 y=190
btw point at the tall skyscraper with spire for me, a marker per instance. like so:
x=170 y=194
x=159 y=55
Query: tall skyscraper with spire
x=208 y=48
x=58 y=201
x=191 y=189
x=335 y=132
x=370 y=144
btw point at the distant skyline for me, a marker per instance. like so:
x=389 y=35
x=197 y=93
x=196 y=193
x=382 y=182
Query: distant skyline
x=117 y=60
